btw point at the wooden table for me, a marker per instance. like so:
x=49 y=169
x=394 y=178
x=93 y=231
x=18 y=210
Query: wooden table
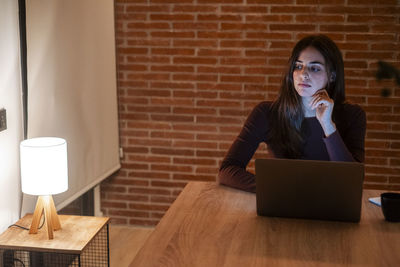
x=82 y=241
x=212 y=225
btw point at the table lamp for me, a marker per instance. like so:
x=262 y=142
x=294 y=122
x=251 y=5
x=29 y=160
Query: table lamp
x=44 y=172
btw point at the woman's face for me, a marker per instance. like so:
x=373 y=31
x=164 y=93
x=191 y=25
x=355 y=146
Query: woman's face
x=310 y=73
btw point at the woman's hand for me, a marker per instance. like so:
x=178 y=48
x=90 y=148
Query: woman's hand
x=323 y=106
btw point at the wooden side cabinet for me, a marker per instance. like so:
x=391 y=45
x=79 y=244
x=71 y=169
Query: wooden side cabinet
x=82 y=241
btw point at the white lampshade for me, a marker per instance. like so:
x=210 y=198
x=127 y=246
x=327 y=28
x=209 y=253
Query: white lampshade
x=44 y=166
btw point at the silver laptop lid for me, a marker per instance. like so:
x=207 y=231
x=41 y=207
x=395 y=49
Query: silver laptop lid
x=309 y=189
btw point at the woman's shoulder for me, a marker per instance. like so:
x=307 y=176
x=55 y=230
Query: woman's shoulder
x=262 y=109
x=264 y=106
x=350 y=109
x=350 y=115
x=260 y=113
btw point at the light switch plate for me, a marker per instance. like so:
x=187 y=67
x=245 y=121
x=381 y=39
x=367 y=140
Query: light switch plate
x=3 y=119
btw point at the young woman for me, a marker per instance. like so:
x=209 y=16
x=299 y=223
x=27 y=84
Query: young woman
x=309 y=120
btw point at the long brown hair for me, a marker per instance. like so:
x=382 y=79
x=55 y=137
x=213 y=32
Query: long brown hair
x=287 y=113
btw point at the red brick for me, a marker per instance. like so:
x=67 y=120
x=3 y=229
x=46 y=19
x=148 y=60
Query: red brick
x=218 y=103
x=372 y=2
x=375 y=178
x=211 y=17
x=196 y=177
x=171 y=168
x=370 y=37
x=173 y=68
x=163 y=199
x=168 y=184
x=146 y=8
x=166 y=34
x=149 y=158
x=133 y=50
x=194 y=60
x=127 y=197
x=236 y=95
x=218 y=120
x=233 y=112
x=152 y=59
x=149 y=142
x=195 y=144
x=149 y=125
x=196 y=161
x=195 y=8
x=141 y=25
x=371 y=19
x=152 y=109
x=194 y=77
x=383 y=135
x=346 y=10
x=393 y=10
x=244 y=9
x=227 y=70
x=171 y=17
x=205 y=170
x=172 y=85
x=115 y=205
x=170 y=118
x=218 y=34
x=382 y=153
x=136 y=149
x=210 y=153
x=220 y=1
x=215 y=137
x=344 y=28
x=193 y=94
x=320 y=19
x=243 y=61
x=232 y=129
x=377 y=144
x=219 y=86
x=376 y=161
x=184 y=110
x=172 y=51
x=395 y=162
x=148 y=175
x=382 y=170
x=150 y=191
x=134 y=116
x=175 y=152
x=174 y=135
x=243 y=26
x=292 y=27
x=243 y=78
x=195 y=127
x=320 y=2
x=148 y=207
x=269 y=36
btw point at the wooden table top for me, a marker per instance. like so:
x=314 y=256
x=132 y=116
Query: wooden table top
x=75 y=233
x=212 y=225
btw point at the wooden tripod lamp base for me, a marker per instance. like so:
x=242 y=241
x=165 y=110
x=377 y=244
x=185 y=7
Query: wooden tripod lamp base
x=45 y=204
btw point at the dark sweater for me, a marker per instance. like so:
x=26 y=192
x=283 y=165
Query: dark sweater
x=345 y=144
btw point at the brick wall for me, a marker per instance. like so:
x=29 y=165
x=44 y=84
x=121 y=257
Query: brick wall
x=189 y=72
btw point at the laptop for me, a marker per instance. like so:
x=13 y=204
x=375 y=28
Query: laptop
x=309 y=189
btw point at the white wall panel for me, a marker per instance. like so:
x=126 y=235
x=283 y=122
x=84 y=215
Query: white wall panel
x=10 y=99
x=72 y=87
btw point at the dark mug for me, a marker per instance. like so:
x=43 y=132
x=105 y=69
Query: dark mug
x=390 y=203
